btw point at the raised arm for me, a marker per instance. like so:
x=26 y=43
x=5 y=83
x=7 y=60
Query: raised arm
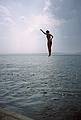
x=43 y=31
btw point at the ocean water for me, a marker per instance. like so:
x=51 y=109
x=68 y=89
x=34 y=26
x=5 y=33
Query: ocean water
x=41 y=87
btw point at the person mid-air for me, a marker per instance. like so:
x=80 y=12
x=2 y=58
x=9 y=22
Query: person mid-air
x=49 y=40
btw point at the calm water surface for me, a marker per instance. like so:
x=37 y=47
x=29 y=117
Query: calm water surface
x=41 y=87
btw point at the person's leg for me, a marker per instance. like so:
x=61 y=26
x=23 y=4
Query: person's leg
x=50 y=44
x=49 y=51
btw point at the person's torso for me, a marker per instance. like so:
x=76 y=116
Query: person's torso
x=49 y=38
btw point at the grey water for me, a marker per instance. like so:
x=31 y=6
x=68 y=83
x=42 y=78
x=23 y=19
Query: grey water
x=41 y=87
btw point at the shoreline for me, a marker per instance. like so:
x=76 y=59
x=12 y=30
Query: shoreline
x=5 y=114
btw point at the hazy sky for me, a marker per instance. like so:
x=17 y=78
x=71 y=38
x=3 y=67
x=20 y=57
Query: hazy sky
x=21 y=20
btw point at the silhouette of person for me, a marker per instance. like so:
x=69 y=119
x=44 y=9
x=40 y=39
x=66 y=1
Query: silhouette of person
x=49 y=40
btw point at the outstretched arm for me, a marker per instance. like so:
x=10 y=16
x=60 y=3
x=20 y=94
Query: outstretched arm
x=43 y=31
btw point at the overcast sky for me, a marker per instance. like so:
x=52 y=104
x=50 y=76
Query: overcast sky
x=21 y=20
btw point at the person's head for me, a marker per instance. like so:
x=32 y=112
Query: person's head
x=47 y=31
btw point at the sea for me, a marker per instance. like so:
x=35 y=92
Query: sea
x=41 y=87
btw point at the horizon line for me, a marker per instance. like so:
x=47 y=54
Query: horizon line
x=54 y=53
